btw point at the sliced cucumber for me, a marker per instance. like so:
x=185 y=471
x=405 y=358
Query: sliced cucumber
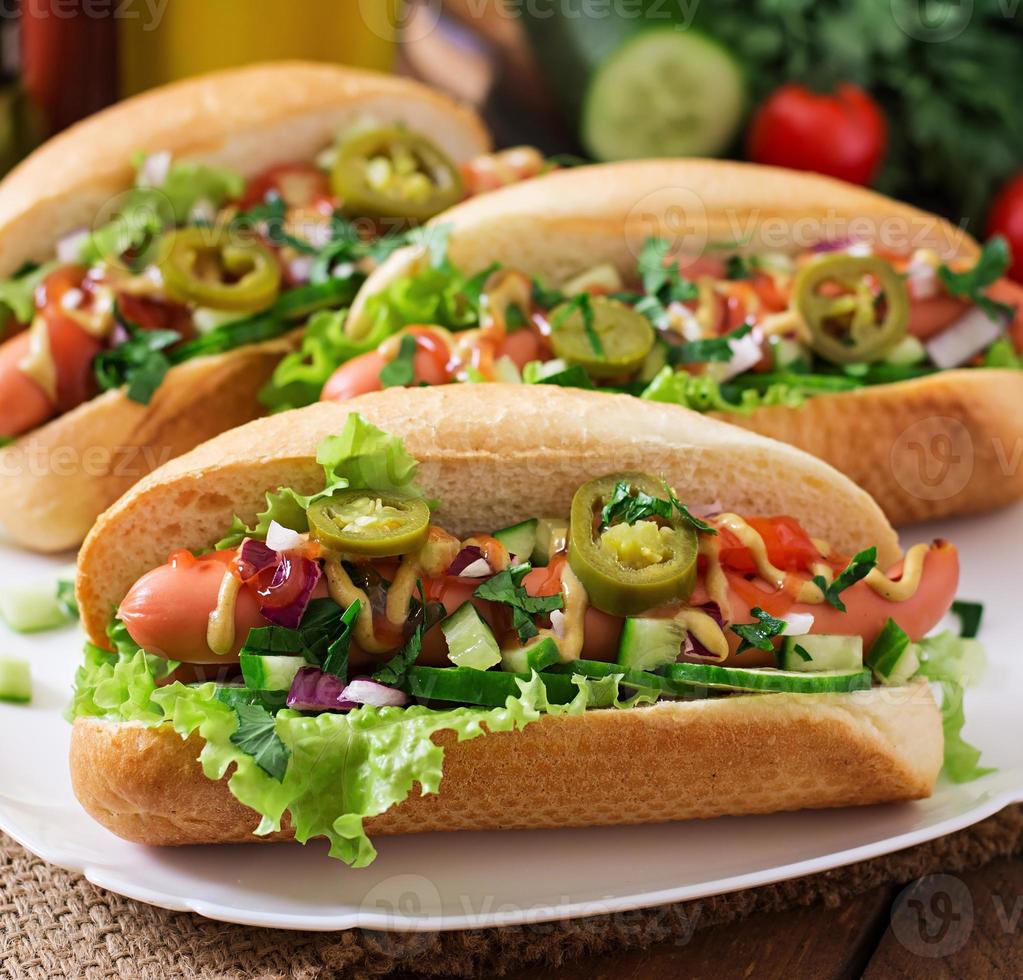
x=556 y=372
x=271 y=700
x=816 y=653
x=648 y=643
x=664 y=93
x=906 y=352
x=654 y=362
x=519 y=539
x=786 y=353
x=488 y=688
x=537 y=656
x=470 y=641
x=551 y=537
x=33 y=608
x=263 y=673
x=638 y=680
x=15 y=681
x=769 y=679
x=892 y=658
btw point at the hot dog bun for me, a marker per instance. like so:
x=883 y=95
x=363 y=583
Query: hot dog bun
x=924 y=449
x=493 y=454
x=57 y=479
x=670 y=761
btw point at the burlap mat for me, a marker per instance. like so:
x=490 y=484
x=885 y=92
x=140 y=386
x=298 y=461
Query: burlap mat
x=55 y=924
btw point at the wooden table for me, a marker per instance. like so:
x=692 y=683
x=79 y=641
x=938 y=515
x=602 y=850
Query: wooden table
x=968 y=927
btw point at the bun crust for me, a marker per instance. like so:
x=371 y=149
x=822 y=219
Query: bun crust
x=57 y=479
x=493 y=454
x=670 y=761
x=890 y=438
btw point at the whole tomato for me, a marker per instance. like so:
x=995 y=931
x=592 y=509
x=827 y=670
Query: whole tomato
x=1006 y=218
x=842 y=134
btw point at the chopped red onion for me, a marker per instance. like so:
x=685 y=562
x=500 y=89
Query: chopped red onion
x=712 y=509
x=363 y=690
x=281 y=538
x=797 y=624
x=834 y=245
x=692 y=647
x=285 y=599
x=313 y=690
x=921 y=278
x=746 y=354
x=154 y=169
x=465 y=559
x=967 y=336
x=300 y=268
x=558 y=624
x=203 y=211
x=69 y=247
x=478 y=569
x=254 y=557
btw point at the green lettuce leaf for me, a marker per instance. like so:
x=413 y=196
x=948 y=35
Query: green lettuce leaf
x=955 y=664
x=361 y=456
x=704 y=394
x=336 y=770
x=17 y=294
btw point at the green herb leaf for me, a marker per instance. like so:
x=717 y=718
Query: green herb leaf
x=336 y=661
x=759 y=634
x=139 y=362
x=706 y=350
x=256 y=735
x=802 y=653
x=993 y=262
x=506 y=587
x=629 y=504
x=547 y=298
x=860 y=567
x=323 y=624
x=582 y=303
x=738 y=267
x=663 y=283
x=970 y=615
x=400 y=372
x=393 y=672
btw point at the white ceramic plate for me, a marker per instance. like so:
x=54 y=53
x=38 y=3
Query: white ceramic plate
x=459 y=881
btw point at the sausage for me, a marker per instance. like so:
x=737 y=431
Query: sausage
x=23 y=403
x=361 y=374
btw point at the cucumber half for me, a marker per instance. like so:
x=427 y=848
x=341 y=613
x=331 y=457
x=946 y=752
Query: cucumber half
x=666 y=92
x=770 y=680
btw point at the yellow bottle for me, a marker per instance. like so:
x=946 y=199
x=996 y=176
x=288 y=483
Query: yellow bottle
x=171 y=39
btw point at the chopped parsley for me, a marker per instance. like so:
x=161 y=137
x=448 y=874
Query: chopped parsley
x=506 y=587
x=580 y=302
x=991 y=265
x=860 y=567
x=708 y=349
x=802 y=653
x=394 y=672
x=336 y=661
x=400 y=372
x=970 y=614
x=663 y=283
x=738 y=267
x=139 y=362
x=257 y=735
x=628 y=507
x=758 y=635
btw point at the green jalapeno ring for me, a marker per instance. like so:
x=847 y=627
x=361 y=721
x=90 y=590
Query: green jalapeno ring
x=861 y=335
x=195 y=261
x=376 y=525
x=391 y=173
x=626 y=337
x=619 y=589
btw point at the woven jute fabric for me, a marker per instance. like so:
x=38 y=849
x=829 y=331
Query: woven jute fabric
x=53 y=923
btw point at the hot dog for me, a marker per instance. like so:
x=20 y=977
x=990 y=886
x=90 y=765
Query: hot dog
x=404 y=561
x=788 y=303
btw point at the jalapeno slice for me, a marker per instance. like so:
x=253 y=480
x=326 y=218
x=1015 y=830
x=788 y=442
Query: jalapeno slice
x=630 y=568
x=392 y=173
x=616 y=341
x=856 y=307
x=206 y=267
x=378 y=525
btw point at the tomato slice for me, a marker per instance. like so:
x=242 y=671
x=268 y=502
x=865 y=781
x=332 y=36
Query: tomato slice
x=788 y=546
x=299 y=185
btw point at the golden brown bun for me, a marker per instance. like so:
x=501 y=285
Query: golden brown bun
x=671 y=761
x=493 y=454
x=57 y=479
x=925 y=449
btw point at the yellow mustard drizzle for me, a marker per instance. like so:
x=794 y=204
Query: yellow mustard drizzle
x=706 y=631
x=344 y=592
x=570 y=645
x=399 y=595
x=706 y=305
x=509 y=288
x=906 y=586
x=715 y=581
x=220 y=630
x=38 y=363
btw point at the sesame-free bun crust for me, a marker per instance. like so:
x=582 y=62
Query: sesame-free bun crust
x=493 y=455
x=925 y=449
x=57 y=479
x=670 y=761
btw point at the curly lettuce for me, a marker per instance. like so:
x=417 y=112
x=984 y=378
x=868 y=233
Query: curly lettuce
x=360 y=457
x=341 y=768
x=702 y=393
